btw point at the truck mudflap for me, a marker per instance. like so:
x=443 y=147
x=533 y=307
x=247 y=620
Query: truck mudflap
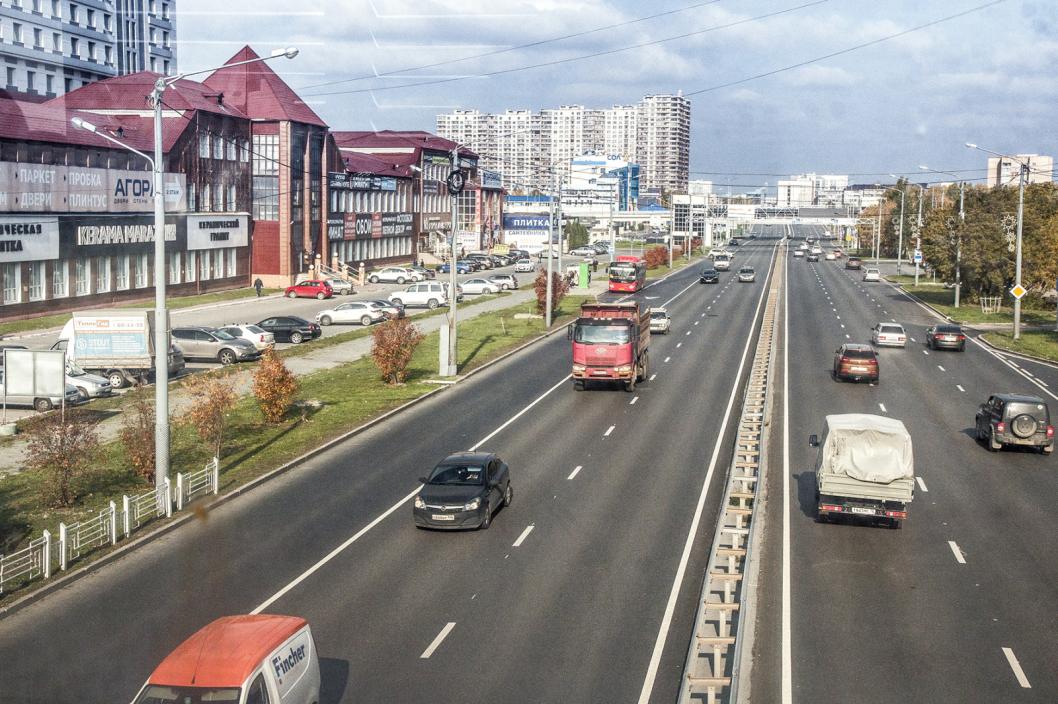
x=830 y=506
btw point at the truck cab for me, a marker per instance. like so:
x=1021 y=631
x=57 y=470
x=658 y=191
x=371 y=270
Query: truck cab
x=610 y=342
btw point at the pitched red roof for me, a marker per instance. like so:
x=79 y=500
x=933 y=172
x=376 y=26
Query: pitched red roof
x=130 y=93
x=259 y=92
x=392 y=138
x=381 y=165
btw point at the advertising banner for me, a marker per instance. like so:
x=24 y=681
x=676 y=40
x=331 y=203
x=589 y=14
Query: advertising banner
x=110 y=336
x=217 y=231
x=35 y=372
x=376 y=225
x=27 y=239
x=491 y=180
x=431 y=187
x=343 y=181
x=60 y=189
x=526 y=221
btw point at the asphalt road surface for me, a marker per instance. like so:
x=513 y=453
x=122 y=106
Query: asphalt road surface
x=960 y=604
x=577 y=593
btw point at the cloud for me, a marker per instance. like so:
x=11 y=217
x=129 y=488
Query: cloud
x=818 y=75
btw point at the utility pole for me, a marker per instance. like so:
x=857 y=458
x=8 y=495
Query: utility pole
x=878 y=234
x=550 y=266
x=958 y=244
x=452 y=366
x=918 y=233
x=558 y=226
x=1022 y=174
x=672 y=226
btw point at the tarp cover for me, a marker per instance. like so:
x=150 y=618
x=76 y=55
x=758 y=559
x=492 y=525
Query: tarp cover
x=866 y=447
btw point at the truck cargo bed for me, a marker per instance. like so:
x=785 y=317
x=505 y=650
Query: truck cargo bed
x=902 y=490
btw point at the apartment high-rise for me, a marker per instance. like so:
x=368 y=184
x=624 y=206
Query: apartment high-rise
x=1004 y=171
x=51 y=47
x=621 y=133
x=664 y=141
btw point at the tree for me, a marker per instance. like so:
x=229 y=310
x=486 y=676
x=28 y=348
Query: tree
x=62 y=447
x=137 y=433
x=394 y=343
x=577 y=234
x=559 y=289
x=274 y=386
x=213 y=398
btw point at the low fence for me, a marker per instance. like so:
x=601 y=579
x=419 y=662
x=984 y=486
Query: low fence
x=38 y=560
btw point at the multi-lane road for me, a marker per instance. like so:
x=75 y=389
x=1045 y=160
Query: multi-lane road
x=583 y=590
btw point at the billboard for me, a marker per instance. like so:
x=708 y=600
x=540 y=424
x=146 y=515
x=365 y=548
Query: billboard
x=39 y=188
x=343 y=181
x=28 y=239
x=217 y=231
x=526 y=221
x=377 y=225
x=34 y=372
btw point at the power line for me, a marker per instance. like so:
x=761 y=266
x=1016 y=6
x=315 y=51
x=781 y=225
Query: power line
x=530 y=45
x=629 y=47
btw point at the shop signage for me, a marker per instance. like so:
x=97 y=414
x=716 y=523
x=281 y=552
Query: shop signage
x=28 y=239
x=526 y=221
x=343 y=181
x=492 y=180
x=335 y=228
x=431 y=188
x=376 y=225
x=470 y=241
x=217 y=231
x=436 y=159
x=75 y=189
x=111 y=233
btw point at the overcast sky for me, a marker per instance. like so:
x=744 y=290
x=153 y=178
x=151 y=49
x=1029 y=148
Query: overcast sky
x=988 y=77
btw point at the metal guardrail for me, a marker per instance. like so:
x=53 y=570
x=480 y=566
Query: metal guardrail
x=35 y=561
x=711 y=669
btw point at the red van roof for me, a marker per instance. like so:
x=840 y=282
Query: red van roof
x=225 y=652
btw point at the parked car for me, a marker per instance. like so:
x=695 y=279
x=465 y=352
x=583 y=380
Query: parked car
x=853 y=263
x=394 y=275
x=948 y=337
x=582 y=251
x=660 y=322
x=506 y=282
x=87 y=385
x=290 y=328
x=872 y=274
x=483 y=259
x=211 y=344
x=889 y=335
x=430 y=294
x=464 y=490
x=856 y=361
x=389 y=310
x=426 y=273
x=709 y=276
x=310 y=289
x=353 y=312
x=516 y=254
x=258 y=337
x=341 y=287
x=1015 y=419
x=479 y=286
x=41 y=403
x=462 y=267
x=746 y=275
x=525 y=264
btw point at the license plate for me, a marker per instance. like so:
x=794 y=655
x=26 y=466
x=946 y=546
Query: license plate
x=859 y=369
x=443 y=517
x=865 y=511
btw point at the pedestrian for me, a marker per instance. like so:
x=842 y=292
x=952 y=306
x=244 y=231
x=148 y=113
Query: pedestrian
x=258 y=285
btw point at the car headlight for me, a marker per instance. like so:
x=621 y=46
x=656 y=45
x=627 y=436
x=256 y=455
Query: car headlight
x=419 y=503
x=472 y=505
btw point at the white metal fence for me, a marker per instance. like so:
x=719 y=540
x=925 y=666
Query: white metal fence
x=35 y=561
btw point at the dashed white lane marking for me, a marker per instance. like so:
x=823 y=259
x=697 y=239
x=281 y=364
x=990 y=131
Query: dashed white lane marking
x=838 y=317
x=921 y=484
x=678 y=345
x=702 y=316
x=842 y=324
x=688 y=332
x=667 y=360
x=653 y=377
x=608 y=431
x=574 y=472
x=523 y=536
x=941 y=368
x=960 y=388
x=437 y=641
x=695 y=322
x=912 y=339
x=1042 y=382
x=925 y=351
x=1016 y=667
x=882 y=406
x=633 y=401
x=847 y=336
x=957 y=552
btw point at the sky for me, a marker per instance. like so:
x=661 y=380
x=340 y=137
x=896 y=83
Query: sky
x=987 y=77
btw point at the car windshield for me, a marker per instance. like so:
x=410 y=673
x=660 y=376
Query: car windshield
x=457 y=475
x=602 y=334
x=658 y=315
x=160 y=694
x=221 y=335
x=746 y=271
x=74 y=370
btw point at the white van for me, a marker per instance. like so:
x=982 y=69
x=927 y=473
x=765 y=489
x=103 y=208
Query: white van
x=260 y=659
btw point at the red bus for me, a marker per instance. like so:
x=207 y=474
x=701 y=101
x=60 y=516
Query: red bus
x=628 y=274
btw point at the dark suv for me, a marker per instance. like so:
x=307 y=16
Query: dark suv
x=1013 y=419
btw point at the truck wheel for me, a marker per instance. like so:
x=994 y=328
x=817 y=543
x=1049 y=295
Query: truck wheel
x=226 y=357
x=117 y=379
x=630 y=385
x=578 y=385
x=43 y=404
x=993 y=444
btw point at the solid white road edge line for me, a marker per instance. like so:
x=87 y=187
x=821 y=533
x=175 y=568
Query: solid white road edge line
x=1016 y=667
x=957 y=552
x=437 y=641
x=921 y=484
x=574 y=472
x=378 y=519
x=786 y=658
x=523 y=536
x=670 y=606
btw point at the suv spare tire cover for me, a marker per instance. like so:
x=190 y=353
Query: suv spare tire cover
x=1023 y=425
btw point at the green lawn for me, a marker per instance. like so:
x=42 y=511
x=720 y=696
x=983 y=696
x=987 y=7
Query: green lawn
x=350 y=395
x=1036 y=343
x=943 y=299
x=45 y=322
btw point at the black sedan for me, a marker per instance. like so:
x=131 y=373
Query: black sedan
x=463 y=491
x=290 y=328
x=948 y=337
x=709 y=276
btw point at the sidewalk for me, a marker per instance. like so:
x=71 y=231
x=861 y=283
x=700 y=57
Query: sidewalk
x=11 y=453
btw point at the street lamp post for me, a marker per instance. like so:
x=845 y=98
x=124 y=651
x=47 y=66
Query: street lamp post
x=958 y=240
x=1023 y=171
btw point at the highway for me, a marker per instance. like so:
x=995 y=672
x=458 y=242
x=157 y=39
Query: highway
x=579 y=592
x=960 y=604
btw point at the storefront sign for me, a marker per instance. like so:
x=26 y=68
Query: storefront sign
x=28 y=239
x=108 y=233
x=436 y=159
x=360 y=226
x=75 y=189
x=470 y=241
x=491 y=180
x=343 y=181
x=526 y=221
x=335 y=228
x=431 y=187
x=217 y=231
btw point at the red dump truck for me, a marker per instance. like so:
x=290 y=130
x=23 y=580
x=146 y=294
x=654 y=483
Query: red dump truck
x=610 y=342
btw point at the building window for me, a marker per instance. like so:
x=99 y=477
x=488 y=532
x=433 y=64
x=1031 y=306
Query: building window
x=12 y=283
x=218 y=147
x=106 y=22
x=203 y=145
x=165 y=10
x=174 y=267
x=91 y=16
x=165 y=67
x=191 y=205
x=244 y=150
x=232 y=207
x=38 y=39
x=56 y=9
x=121 y=272
x=10 y=77
x=190 y=267
x=58 y=280
x=165 y=39
x=231 y=262
x=102 y=267
x=141 y=270
x=67 y=84
x=218 y=199
x=108 y=55
x=56 y=42
x=230 y=148
x=203 y=271
x=75 y=47
x=265 y=177
x=30 y=76
x=16 y=32
x=218 y=263
x=73 y=13
x=91 y=51
x=154 y=65
x=205 y=204
x=82 y=277
x=153 y=36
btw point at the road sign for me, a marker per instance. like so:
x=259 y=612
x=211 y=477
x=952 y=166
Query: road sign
x=1018 y=291
x=918 y=256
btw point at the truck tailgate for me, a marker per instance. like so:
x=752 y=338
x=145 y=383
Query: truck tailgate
x=837 y=485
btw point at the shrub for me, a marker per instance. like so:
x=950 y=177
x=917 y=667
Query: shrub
x=214 y=397
x=394 y=343
x=274 y=386
x=137 y=433
x=656 y=256
x=559 y=289
x=63 y=449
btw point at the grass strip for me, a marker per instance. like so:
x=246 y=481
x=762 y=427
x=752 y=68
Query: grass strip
x=943 y=300
x=1035 y=343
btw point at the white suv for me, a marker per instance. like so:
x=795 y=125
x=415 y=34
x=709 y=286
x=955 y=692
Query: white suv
x=429 y=293
x=395 y=274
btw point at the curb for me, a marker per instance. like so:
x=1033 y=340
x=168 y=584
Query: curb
x=1017 y=355
x=165 y=529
